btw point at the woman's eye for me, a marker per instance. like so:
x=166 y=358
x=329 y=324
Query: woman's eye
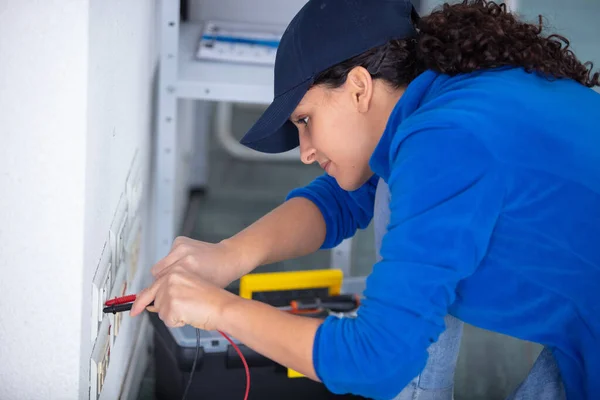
x=303 y=121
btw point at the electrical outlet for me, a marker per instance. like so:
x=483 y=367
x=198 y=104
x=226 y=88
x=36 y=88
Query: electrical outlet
x=101 y=287
x=116 y=234
x=120 y=289
x=117 y=327
x=132 y=248
x=121 y=237
x=104 y=291
x=100 y=360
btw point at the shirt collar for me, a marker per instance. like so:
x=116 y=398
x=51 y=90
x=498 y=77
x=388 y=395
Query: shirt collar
x=416 y=92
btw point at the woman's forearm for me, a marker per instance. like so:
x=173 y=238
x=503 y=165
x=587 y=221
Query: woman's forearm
x=294 y=229
x=282 y=337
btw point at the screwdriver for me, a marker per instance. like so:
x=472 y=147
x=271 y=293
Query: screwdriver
x=340 y=303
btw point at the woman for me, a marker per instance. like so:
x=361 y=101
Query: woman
x=485 y=132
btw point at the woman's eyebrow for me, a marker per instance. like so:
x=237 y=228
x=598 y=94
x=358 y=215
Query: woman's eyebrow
x=294 y=116
x=304 y=106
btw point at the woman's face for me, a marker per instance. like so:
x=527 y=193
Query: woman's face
x=340 y=128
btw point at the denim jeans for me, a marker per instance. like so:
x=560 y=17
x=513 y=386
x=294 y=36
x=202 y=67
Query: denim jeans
x=436 y=381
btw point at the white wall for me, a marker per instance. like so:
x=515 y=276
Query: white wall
x=123 y=48
x=43 y=93
x=76 y=83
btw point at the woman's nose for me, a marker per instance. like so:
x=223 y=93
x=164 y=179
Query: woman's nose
x=307 y=152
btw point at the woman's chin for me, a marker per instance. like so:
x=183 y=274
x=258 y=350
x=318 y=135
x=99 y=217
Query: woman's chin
x=351 y=182
x=348 y=185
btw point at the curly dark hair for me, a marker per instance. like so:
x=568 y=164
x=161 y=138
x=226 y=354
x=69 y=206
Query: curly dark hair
x=465 y=37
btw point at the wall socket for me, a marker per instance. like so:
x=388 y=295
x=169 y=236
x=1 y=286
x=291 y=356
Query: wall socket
x=132 y=248
x=100 y=360
x=101 y=288
x=117 y=231
x=120 y=289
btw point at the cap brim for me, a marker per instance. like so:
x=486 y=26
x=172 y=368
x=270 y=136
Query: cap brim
x=273 y=132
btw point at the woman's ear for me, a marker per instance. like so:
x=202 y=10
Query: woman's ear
x=360 y=86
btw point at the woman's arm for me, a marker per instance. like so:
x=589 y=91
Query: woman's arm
x=280 y=336
x=268 y=240
x=294 y=229
x=319 y=215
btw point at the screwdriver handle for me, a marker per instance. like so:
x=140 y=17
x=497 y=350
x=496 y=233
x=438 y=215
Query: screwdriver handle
x=115 y=308
x=341 y=303
x=338 y=303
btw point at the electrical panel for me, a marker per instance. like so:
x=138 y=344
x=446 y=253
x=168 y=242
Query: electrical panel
x=115 y=273
x=132 y=244
x=120 y=289
x=117 y=232
x=101 y=288
x=132 y=249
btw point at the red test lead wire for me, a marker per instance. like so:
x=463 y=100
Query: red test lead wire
x=237 y=349
x=120 y=300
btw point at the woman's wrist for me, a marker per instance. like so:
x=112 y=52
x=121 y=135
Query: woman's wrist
x=228 y=311
x=244 y=258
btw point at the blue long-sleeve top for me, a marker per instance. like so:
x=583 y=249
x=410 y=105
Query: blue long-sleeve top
x=495 y=218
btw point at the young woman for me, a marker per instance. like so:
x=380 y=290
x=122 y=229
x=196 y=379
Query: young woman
x=475 y=140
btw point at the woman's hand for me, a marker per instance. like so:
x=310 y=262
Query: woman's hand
x=182 y=297
x=219 y=263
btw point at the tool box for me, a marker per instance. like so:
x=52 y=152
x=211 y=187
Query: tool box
x=219 y=370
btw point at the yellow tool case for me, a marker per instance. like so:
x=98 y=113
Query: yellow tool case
x=280 y=288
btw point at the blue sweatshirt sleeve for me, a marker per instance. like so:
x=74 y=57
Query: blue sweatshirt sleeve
x=344 y=212
x=446 y=196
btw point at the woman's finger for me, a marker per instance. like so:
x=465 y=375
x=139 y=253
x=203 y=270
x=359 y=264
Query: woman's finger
x=144 y=298
x=162 y=302
x=152 y=309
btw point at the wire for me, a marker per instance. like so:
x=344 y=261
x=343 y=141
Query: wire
x=193 y=364
x=237 y=349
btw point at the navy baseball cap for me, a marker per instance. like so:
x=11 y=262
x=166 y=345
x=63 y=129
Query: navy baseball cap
x=323 y=33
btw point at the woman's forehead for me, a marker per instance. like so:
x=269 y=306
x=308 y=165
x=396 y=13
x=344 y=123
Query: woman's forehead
x=316 y=95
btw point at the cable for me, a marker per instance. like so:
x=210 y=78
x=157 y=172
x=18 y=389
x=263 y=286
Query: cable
x=237 y=349
x=193 y=364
